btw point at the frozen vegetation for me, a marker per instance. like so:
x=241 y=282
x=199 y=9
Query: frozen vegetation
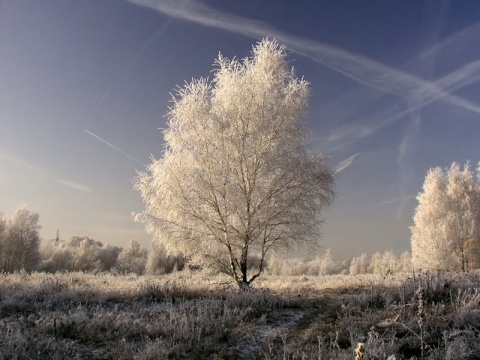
x=198 y=315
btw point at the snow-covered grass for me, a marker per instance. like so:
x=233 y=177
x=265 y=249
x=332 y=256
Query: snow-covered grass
x=77 y=315
x=195 y=315
x=423 y=316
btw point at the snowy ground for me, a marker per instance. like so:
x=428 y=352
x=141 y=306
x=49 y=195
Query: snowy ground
x=197 y=316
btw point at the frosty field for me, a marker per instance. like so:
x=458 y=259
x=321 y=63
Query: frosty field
x=195 y=315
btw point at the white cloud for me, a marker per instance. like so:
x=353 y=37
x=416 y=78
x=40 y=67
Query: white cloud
x=27 y=169
x=74 y=185
x=13 y=162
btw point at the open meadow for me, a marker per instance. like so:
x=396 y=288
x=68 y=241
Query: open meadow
x=197 y=315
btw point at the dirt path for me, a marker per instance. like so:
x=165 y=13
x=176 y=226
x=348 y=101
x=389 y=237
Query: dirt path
x=284 y=325
x=257 y=344
x=288 y=326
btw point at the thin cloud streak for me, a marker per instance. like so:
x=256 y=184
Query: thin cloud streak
x=160 y=30
x=342 y=165
x=381 y=203
x=453 y=44
x=420 y=98
x=363 y=70
x=74 y=185
x=10 y=160
x=459 y=78
x=113 y=147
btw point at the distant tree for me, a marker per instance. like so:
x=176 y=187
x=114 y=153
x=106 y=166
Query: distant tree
x=388 y=263
x=60 y=259
x=155 y=260
x=384 y=263
x=405 y=262
x=77 y=254
x=430 y=248
x=160 y=262
x=354 y=268
x=323 y=264
x=132 y=259
x=359 y=265
x=236 y=178
x=3 y=236
x=20 y=241
x=275 y=264
x=107 y=257
x=446 y=220
x=375 y=263
x=363 y=263
x=87 y=253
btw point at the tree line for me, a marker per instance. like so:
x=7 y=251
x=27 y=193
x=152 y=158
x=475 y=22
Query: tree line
x=22 y=249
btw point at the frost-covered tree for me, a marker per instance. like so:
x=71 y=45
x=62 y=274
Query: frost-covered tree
x=358 y=265
x=20 y=241
x=159 y=262
x=132 y=259
x=235 y=177
x=86 y=253
x=463 y=218
x=405 y=262
x=323 y=264
x=77 y=254
x=430 y=248
x=388 y=263
x=375 y=263
x=446 y=220
x=385 y=263
x=354 y=267
x=107 y=257
x=363 y=263
x=3 y=235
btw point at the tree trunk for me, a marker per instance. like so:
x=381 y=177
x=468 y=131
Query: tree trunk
x=244 y=266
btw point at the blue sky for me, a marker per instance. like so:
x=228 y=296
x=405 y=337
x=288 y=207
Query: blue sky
x=85 y=85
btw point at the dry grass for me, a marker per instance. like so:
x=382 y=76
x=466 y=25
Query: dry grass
x=197 y=315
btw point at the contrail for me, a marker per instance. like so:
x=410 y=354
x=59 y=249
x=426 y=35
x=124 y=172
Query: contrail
x=160 y=30
x=157 y=33
x=342 y=165
x=469 y=73
x=459 y=78
x=361 y=69
x=114 y=147
x=381 y=203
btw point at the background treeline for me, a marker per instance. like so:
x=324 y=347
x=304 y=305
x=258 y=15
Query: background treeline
x=22 y=249
x=87 y=255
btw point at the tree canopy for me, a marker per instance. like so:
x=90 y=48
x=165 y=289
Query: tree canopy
x=446 y=221
x=235 y=178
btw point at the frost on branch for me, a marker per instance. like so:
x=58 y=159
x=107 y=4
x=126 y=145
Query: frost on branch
x=235 y=179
